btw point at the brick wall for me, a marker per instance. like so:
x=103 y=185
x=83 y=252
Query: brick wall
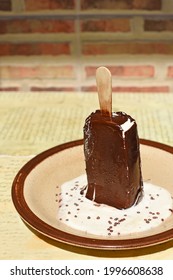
x=58 y=44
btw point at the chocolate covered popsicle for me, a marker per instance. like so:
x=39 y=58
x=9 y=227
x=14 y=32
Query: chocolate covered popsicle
x=111 y=149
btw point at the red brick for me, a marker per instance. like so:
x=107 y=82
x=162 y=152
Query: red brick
x=17 y=72
x=170 y=72
x=34 y=5
x=56 y=26
x=2 y=27
x=106 y=25
x=9 y=88
x=46 y=72
x=56 y=72
x=36 y=26
x=103 y=48
x=4 y=49
x=15 y=26
x=122 y=4
x=147 y=4
x=158 y=25
x=89 y=88
x=25 y=49
x=5 y=5
x=132 y=89
x=55 y=48
x=105 y=4
x=34 y=49
x=45 y=89
x=152 y=89
x=145 y=71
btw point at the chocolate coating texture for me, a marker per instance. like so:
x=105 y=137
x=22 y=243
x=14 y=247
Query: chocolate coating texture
x=113 y=164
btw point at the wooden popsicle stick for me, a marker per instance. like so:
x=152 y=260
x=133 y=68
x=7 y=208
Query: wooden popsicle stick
x=104 y=87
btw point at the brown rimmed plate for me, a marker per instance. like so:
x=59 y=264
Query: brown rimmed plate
x=34 y=194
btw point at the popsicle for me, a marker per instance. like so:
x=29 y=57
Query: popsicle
x=112 y=152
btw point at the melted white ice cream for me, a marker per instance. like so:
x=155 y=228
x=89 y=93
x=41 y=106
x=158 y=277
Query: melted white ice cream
x=78 y=212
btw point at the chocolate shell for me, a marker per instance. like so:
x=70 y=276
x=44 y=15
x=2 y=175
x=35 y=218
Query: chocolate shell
x=112 y=156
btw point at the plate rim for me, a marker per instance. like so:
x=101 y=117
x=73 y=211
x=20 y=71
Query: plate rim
x=17 y=194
